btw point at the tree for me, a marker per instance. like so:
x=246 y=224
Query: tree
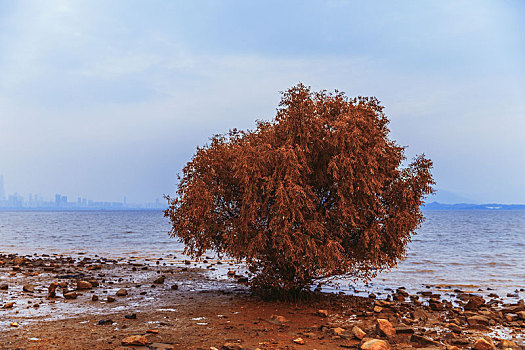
x=319 y=191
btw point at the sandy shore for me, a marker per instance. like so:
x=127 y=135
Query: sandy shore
x=101 y=303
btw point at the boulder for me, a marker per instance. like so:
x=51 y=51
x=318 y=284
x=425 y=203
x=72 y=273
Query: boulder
x=384 y=327
x=478 y=320
x=358 y=332
x=474 y=303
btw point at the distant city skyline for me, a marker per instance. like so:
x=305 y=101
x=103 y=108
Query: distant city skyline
x=61 y=201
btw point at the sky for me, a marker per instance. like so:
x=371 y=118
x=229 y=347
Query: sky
x=106 y=99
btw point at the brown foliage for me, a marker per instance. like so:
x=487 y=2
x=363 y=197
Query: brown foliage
x=317 y=192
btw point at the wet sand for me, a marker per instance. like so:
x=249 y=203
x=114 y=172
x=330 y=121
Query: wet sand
x=175 y=305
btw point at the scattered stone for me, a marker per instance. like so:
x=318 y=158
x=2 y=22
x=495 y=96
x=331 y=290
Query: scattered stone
x=358 y=332
x=105 y=322
x=508 y=344
x=51 y=290
x=422 y=340
x=378 y=309
x=231 y=273
x=84 y=285
x=9 y=305
x=278 y=320
x=28 y=288
x=483 y=344
x=14 y=324
x=322 y=313
x=404 y=330
x=131 y=317
x=174 y=286
x=110 y=299
x=474 y=303
x=374 y=344
x=94 y=298
x=299 y=341
x=135 y=340
x=521 y=315
x=122 y=292
x=62 y=284
x=160 y=280
x=71 y=295
x=232 y=346
x=478 y=320
x=384 y=327
x=338 y=331
x=4 y=286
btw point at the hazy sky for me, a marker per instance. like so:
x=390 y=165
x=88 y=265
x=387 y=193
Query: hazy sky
x=106 y=99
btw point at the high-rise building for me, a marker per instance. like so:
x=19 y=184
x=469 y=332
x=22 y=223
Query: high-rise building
x=2 y=189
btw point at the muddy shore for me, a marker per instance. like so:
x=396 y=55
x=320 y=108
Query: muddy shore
x=62 y=302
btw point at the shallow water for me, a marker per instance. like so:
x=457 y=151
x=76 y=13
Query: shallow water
x=469 y=250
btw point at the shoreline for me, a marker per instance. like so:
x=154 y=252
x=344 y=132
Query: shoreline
x=188 y=310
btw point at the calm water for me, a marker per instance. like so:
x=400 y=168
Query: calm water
x=462 y=249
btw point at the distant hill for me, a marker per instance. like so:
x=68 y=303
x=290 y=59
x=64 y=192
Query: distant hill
x=469 y=206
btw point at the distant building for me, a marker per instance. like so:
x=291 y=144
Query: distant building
x=2 y=189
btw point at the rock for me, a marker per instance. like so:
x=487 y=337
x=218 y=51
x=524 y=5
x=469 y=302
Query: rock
x=131 y=317
x=358 y=332
x=474 y=303
x=278 y=320
x=322 y=313
x=232 y=346
x=28 y=288
x=110 y=299
x=384 y=327
x=62 y=284
x=378 y=309
x=404 y=330
x=135 y=340
x=94 y=298
x=231 y=273
x=14 y=324
x=338 y=331
x=299 y=341
x=483 y=344
x=174 y=286
x=105 y=322
x=152 y=331
x=478 y=320
x=84 y=285
x=51 y=290
x=4 y=286
x=163 y=346
x=454 y=328
x=160 y=280
x=508 y=344
x=422 y=340
x=122 y=292
x=94 y=282
x=375 y=344
x=521 y=315
x=71 y=295
x=9 y=305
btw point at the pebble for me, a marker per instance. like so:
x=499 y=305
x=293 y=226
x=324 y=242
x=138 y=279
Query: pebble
x=122 y=292
x=299 y=341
